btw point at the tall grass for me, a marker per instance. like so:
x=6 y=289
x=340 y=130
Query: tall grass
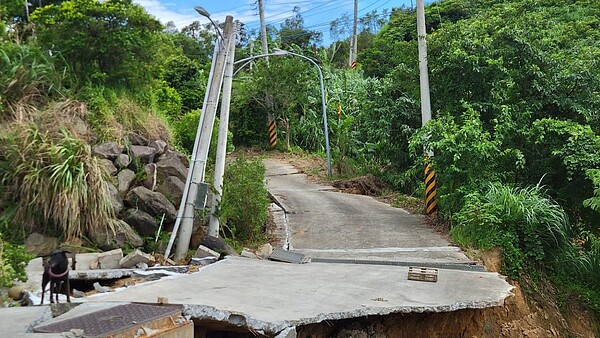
x=27 y=78
x=53 y=182
x=113 y=113
x=528 y=226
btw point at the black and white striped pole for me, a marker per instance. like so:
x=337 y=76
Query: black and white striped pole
x=430 y=181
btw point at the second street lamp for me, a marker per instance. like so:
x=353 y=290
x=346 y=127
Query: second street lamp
x=281 y=52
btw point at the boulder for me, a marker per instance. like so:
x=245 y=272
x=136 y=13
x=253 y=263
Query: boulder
x=78 y=126
x=153 y=203
x=144 y=224
x=198 y=233
x=150 y=180
x=142 y=154
x=122 y=161
x=171 y=166
x=264 y=251
x=122 y=236
x=109 y=166
x=218 y=244
x=159 y=145
x=115 y=199
x=108 y=150
x=173 y=153
x=40 y=245
x=172 y=187
x=125 y=178
x=17 y=292
x=136 y=139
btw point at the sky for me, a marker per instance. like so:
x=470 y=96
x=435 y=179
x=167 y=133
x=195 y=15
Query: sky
x=317 y=14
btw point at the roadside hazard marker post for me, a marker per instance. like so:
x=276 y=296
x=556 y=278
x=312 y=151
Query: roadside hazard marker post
x=272 y=132
x=430 y=188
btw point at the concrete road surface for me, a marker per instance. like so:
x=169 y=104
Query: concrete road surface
x=323 y=223
x=273 y=297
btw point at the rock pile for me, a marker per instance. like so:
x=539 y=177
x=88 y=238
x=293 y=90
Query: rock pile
x=147 y=186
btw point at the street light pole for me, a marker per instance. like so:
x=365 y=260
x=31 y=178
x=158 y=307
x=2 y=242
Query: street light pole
x=324 y=109
x=198 y=165
x=280 y=52
x=213 y=224
x=183 y=204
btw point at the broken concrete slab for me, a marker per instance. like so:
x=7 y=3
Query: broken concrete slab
x=136 y=257
x=289 y=332
x=100 y=274
x=19 y=321
x=86 y=261
x=176 y=268
x=299 y=294
x=204 y=252
x=110 y=259
x=204 y=261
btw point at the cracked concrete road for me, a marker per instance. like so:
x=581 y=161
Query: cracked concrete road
x=273 y=298
x=324 y=223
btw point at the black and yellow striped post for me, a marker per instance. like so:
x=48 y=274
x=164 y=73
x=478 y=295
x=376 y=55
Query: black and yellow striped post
x=430 y=189
x=272 y=133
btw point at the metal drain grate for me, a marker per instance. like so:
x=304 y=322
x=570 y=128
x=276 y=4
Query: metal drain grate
x=110 y=321
x=448 y=266
x=288 y=256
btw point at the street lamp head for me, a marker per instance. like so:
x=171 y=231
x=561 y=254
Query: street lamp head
x=279 y=52
x=202 y=11
x=205 y=14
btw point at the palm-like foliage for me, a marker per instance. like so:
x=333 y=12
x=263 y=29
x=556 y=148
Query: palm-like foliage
x=54 y=182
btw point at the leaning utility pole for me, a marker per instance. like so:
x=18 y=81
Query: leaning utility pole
x=263 y=28
x=354 y=44
x=430 y=181
x=213 y=224
x=423 y=71
x=198 y=165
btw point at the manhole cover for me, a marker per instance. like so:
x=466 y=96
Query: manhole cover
x=110 y=321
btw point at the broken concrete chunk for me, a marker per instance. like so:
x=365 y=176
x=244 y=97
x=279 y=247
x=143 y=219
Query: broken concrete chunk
x=141 y=265
x=204 y=252
x=264 y=251
x=136 y=257
x=100 y=288
x=77 y=294
x=86 y=261
x=204 y=261
x=248 y=253
x=289 y=332
x=110 y=259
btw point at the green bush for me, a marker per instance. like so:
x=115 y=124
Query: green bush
x=13 y=261
x=186 y=128
x=528 y=226
x=245 y=200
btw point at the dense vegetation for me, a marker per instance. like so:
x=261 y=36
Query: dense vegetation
x=515 y=129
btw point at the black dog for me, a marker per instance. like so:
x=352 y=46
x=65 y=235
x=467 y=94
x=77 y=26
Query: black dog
x=56 y=272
